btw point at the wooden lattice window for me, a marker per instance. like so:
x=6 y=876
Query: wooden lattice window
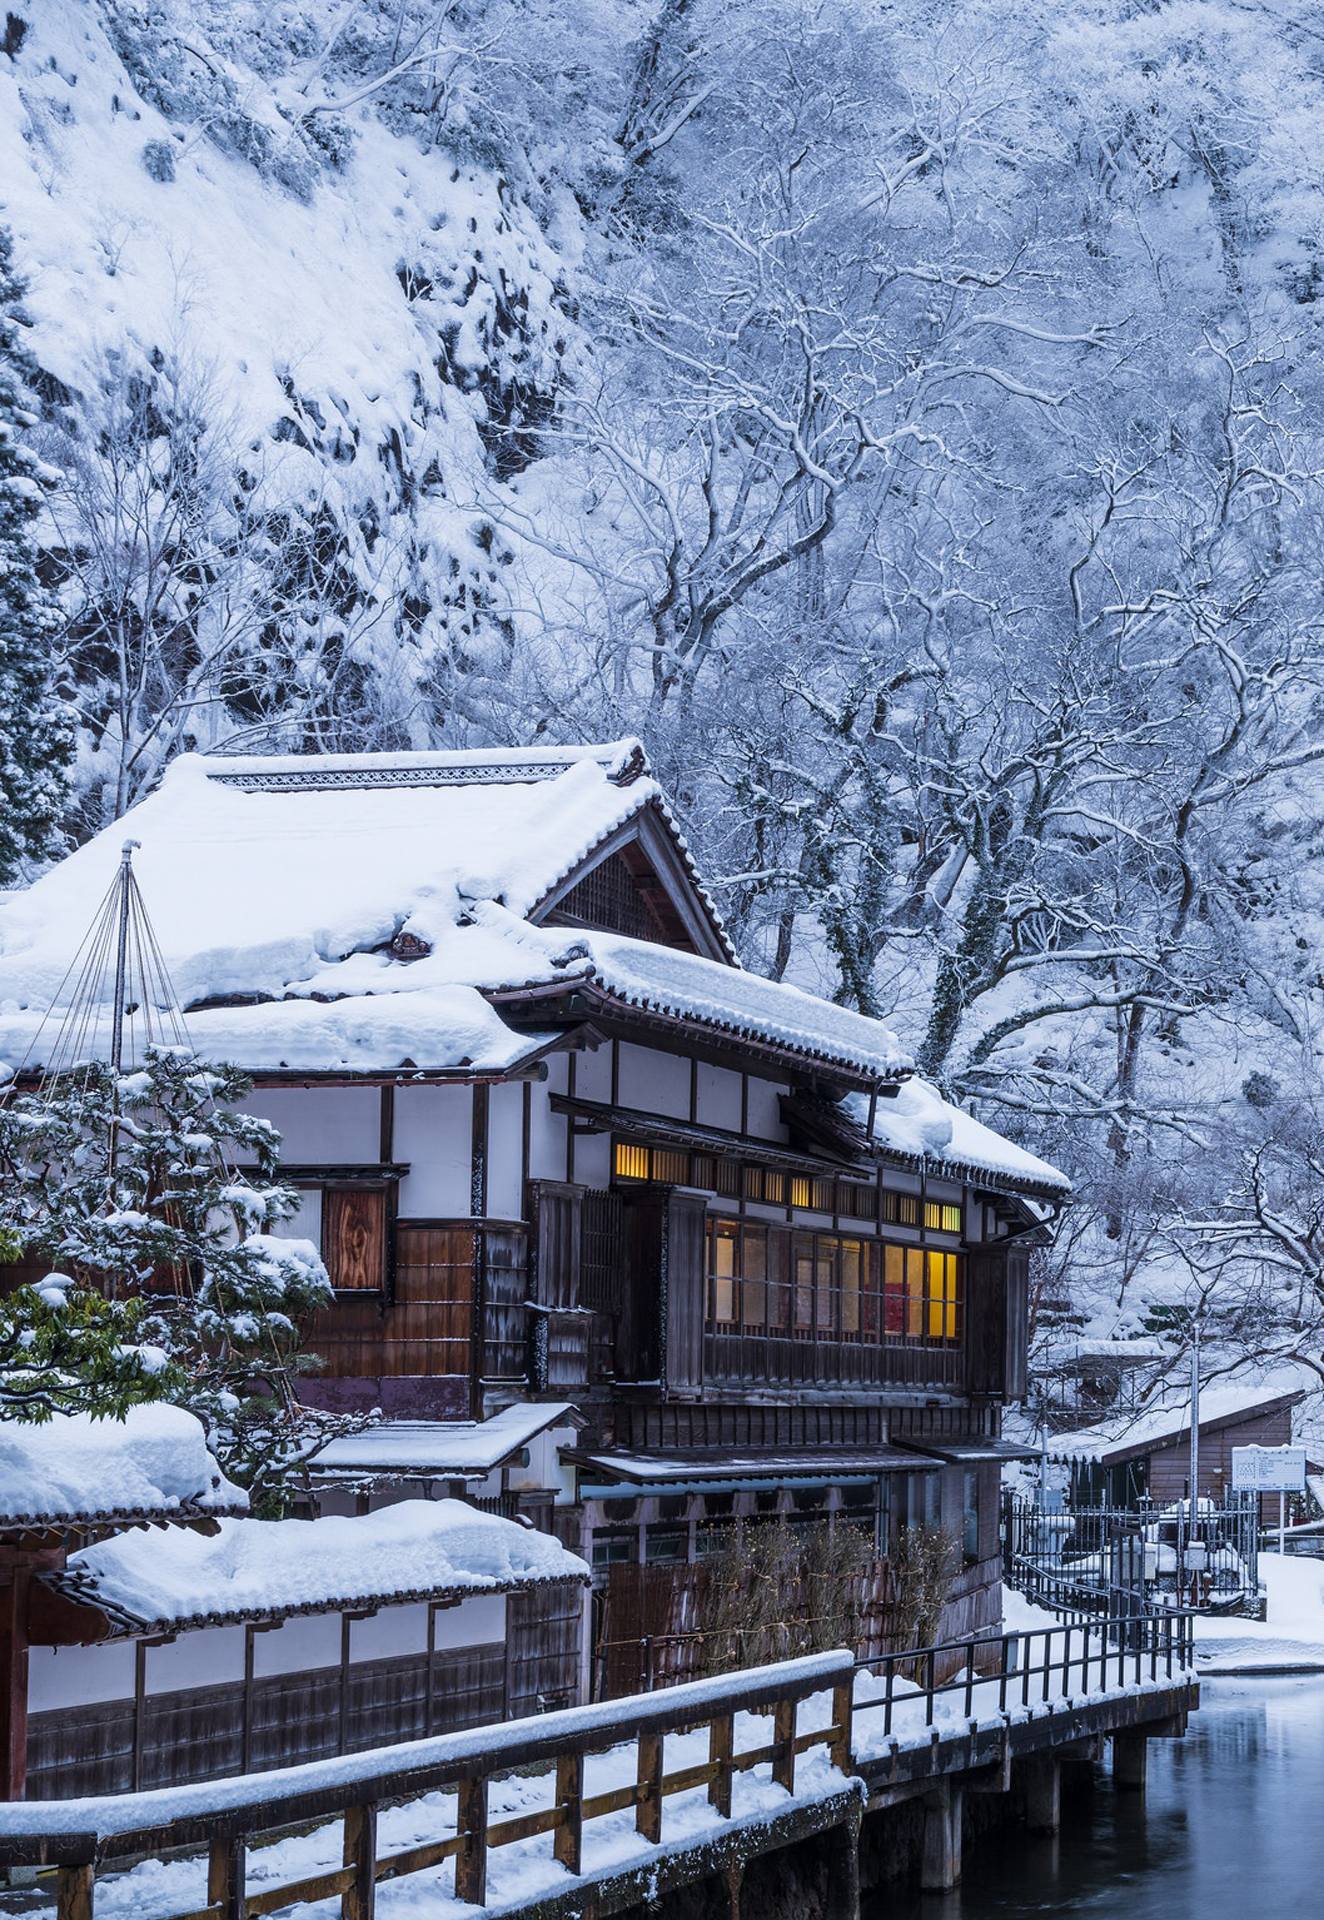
x=608 y=897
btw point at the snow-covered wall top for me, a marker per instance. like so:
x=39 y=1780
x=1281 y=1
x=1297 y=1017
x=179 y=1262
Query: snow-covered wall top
x=153 y=1464
x=260 y=1569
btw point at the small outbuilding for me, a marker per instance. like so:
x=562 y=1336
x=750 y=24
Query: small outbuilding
x=1147 y=1454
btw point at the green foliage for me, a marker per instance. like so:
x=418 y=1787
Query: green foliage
x=36 y=729
x=126 y=1182
x=66 y=1349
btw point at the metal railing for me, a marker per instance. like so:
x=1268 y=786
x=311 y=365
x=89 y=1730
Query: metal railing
x=1005 y=1671
x=1134 y=1559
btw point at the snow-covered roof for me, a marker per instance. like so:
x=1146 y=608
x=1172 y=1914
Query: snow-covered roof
x=153 y=1464
x=265 y=1569
x=458 y=1449
x=311 y=888
x=1127 y=1435
x=916 y=1126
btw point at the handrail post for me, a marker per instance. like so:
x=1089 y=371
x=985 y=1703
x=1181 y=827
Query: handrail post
x=930 y=1668
x=843 y=1708
x=1002 y=1676
x=226 y=1865
x=359 y=1899
x=887 y=1696
x=568 y=1839
x=721 y=1746
x=471 y=1826
x=74 y=1891
x=783 y=1739
x=648 y=1802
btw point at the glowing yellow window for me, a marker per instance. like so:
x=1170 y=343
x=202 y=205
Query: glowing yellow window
x=799 y=1190
x=631 y=1161
x=725 y=1241
x=915 y=1293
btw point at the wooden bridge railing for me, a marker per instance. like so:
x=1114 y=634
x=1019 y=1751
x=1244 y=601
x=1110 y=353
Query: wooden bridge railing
x=1031 y=1667
x=226 y=1817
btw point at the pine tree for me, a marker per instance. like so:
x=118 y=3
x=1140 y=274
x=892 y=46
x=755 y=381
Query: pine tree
x=36 y=729
x=127 y=1183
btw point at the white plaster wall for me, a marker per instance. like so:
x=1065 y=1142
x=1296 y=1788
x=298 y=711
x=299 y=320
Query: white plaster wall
x=547 y=1129
x=545 y=1468
x=434 y=1133
x=593 y=1159
x=474 y=1623
x=395 y=1630
x=654 y=1082
x=79 y=1676
x=201 y=1659
x=339 y=1126
x=307 y=1641
x=764 y=1111
x=505 y=1151
x=719 y=1097
x=593 y=1073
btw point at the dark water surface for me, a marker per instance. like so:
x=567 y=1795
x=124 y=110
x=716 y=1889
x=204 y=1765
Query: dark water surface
x=1231 y=1827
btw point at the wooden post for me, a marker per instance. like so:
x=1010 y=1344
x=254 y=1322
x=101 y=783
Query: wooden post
x=843 y=1703
x=783 y=1738
x=359 y=1900
x=1043 y=1793
x=225 y=1876
x=648 y=1809
x=471 y=1860
x=734 y=1875
x=568 y=1840
x=73 y=1892
x=14 y=1683
x=1130 y=1753
x=843 y=1890
x=940 y=1868
x=721 y=1746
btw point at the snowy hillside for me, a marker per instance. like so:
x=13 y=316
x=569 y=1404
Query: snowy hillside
x=905 y=417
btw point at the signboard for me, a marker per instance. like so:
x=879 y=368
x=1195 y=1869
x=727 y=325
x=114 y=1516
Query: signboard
x=1269 y=1469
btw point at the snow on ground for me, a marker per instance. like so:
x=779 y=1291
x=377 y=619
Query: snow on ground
x=1291 y=1636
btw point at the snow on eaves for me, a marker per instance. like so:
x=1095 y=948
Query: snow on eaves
x=153 y=1464
x=1170 y=1418
x=264 y=1569
x=678 y=985
x=462 y=1448
x=918 y=1127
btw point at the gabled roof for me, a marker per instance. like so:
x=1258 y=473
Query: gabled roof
x=1126 y=1437
x=268 y=1569
x=363 y=913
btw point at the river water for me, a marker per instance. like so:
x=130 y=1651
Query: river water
x=1231 y=1827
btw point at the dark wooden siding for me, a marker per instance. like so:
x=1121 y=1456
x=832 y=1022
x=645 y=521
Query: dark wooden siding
x=424 y=1328
x=683 y=1286
x=544 y=1632
x=1170 y=1466
x=198 y=1733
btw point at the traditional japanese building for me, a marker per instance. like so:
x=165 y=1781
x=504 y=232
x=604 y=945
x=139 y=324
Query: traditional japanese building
x=624 y=1237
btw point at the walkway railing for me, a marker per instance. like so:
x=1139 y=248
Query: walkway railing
x=228 y=1817
x=1004 y=1671
x=1002 y=1674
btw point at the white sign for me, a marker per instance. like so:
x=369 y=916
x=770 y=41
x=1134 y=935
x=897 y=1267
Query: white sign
x=1269 y=1469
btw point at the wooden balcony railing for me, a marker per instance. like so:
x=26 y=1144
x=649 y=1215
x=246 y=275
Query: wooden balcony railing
x=740 y=1359
x=228 y=1817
